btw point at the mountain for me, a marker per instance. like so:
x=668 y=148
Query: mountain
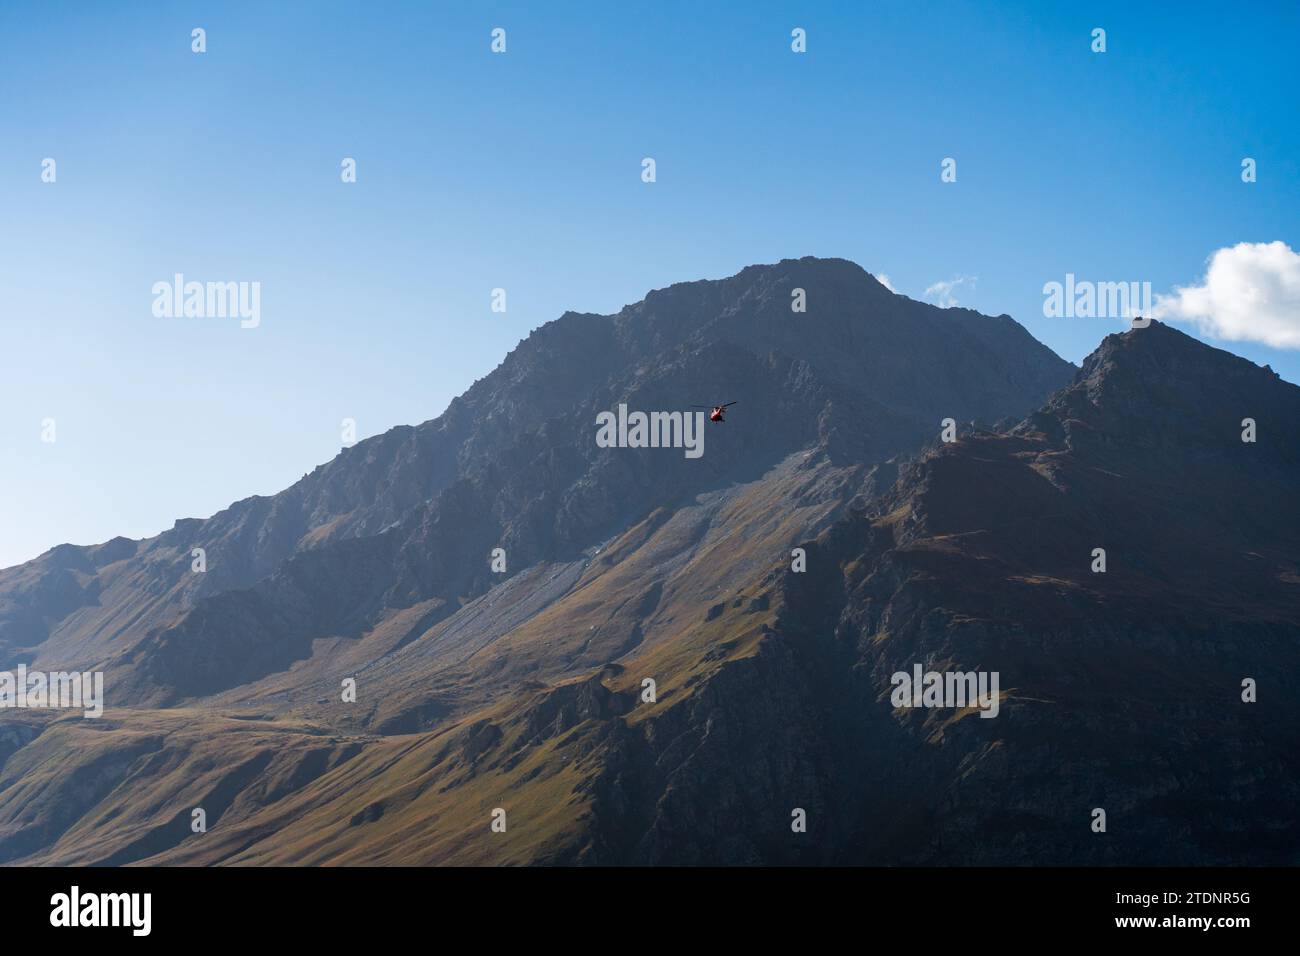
x=525 y=690
x=407 y=519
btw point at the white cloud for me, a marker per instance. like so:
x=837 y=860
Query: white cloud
x=1250 y=293
x=944 y=290
x=884 y=280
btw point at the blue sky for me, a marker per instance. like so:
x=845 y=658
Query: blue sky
x=522 y=171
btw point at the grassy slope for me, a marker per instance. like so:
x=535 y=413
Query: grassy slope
x=301 y=787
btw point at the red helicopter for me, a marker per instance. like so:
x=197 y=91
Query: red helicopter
x=719 y=413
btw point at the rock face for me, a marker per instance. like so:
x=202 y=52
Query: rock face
x=650 y=681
